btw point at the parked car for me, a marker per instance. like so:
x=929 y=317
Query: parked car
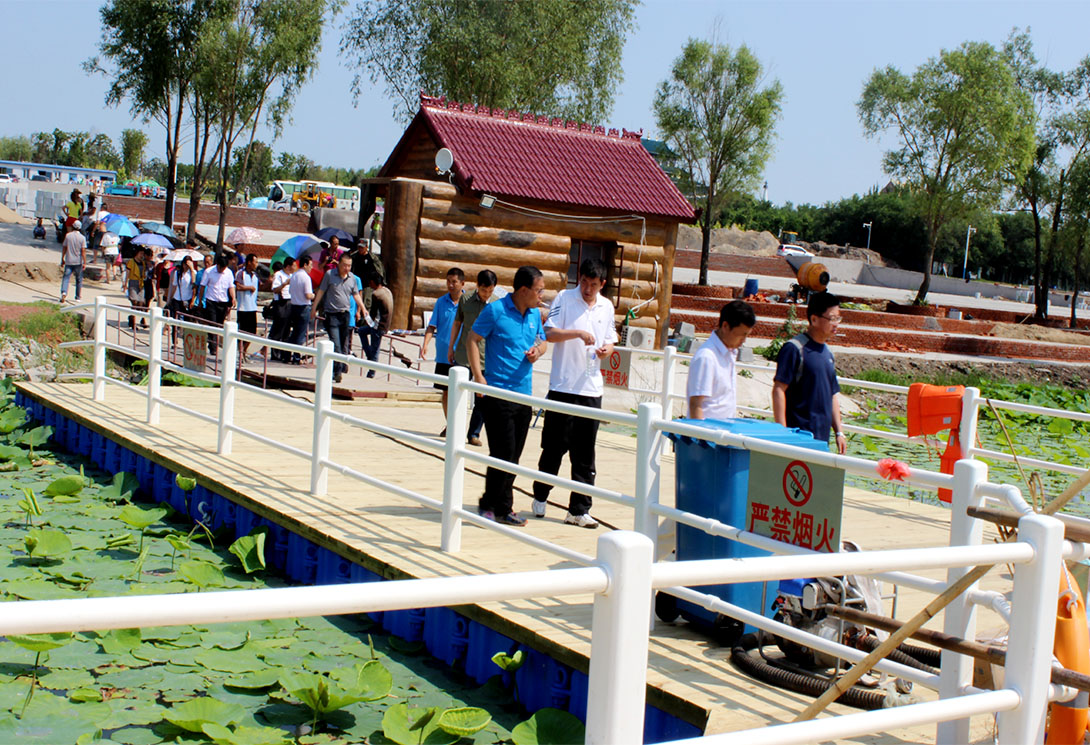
x=41 y=177
x=787 y=249
x=6 y=178
x=121 y=190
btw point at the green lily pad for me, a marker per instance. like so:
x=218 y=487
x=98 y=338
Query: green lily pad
x=413 y=726
x=41 y=642
x=320 y=694
x=65 y=680
x=250 y=550
x=137 y=736
x=193 y=715
x=83 y=695
x=233 y=661
x=244 y=735
x=120 y=641
x=121 y=488
x=128 y=712
x=509 y=662
x=141 y=677
x=400 y=645
x=185 y=483
x=37 y=589
x=7 y=452
x=371 y=680
x=70 y=484
x=201 y=573
x=223 y=639
x=35 y=437
x=140 y=518
x=44 y=544
x=547 y=727
x=256 y=680
x=464 y=721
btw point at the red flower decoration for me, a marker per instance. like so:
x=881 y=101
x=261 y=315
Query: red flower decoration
x=892 y=470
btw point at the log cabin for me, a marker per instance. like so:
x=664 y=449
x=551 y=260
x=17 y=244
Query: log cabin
x=525 y=189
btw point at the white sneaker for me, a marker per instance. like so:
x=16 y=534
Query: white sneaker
x=539 y=508
x=582 y=521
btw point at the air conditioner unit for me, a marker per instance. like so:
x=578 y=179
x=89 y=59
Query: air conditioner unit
x=638 y=338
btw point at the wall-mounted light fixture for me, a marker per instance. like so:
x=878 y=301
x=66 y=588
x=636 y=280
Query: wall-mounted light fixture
x=487 y=201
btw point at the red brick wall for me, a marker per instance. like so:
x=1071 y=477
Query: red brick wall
x=152 y=209
x=768 y=266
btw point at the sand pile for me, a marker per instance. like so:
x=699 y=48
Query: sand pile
x=1038 y=333
x=11 y=218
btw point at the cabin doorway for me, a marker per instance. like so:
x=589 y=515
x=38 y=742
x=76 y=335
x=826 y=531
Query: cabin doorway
x=609 y=253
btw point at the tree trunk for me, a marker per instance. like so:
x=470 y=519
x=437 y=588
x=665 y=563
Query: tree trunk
x=1075 y=290
x=932 y=243
x=1049 y=258
x=172 y=158
x=1040 y=311
x=706 y=236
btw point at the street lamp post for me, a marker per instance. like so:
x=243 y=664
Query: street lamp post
x=867 y=226
x=965 y=261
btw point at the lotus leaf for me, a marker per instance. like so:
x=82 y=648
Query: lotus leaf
x=137 y=736
x=63 y=680
x=35 y=437
x=41 y=642
x=509 y=662
x=83 y=695
x=250 y=550
x=43 y=544
x=201 y=573
x=407 y=726
x=319 y=694
x=121 y=488
x=223 y=639
x=400 y=645
x=549 y=727
x=130 y=677
x=120 y=641
x=7 y=452
x=12 y=419
x=464 y=721
x=70 y=484
x=140 y=518
x=45 y=727
x=185 y=483
x=256 y=680
x=125 y=712
x=370 y=680
x=193 y=715
x=245 y=735
x=236 y=661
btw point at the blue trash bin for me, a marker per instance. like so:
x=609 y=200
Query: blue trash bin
x=713 y=481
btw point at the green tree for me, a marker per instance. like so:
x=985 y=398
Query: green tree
x=551 y=57
x=148 y=51
x=962 y=124
x=259 y=56
x=133 y=142
x=718 y=114
x=260 y=170
x=16 y=148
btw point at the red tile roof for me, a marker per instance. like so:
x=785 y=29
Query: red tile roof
x=507 y=153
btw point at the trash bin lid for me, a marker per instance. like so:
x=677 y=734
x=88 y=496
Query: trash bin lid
x=759 y=428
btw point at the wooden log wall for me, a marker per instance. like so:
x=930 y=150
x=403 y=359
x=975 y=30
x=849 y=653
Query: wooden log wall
x=456 y=231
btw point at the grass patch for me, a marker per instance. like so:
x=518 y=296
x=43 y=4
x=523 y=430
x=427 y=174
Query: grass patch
x=973 y=379
x=46 y=324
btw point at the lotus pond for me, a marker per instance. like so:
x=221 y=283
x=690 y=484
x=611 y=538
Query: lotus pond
x=72 y=531
x=1058 y=440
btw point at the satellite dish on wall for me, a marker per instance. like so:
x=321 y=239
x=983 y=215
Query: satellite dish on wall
x=444 y=159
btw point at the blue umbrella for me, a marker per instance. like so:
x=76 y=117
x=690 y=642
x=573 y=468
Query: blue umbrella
x=152 y=239
x=328 y=233
x=122 y=227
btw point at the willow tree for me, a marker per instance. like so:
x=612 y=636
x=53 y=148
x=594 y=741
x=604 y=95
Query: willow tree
x=719 y=115
x=963 y=125
x=554 y=57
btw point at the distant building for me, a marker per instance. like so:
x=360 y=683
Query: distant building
x=58 y=174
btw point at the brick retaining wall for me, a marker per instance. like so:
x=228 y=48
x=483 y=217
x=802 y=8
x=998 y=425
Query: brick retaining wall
x=140 y=208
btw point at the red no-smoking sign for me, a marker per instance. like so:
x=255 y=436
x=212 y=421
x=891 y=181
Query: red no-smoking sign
x=798 y=483
x=615 y=361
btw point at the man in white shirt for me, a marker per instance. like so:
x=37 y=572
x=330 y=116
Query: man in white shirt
x=301 y=293
x=73 y=259
x=246 y=286
x=581 y=326
x=281 y=320
x=218 y=293
x=711 y=386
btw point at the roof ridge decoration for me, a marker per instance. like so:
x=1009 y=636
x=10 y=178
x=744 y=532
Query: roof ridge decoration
x=443 y=103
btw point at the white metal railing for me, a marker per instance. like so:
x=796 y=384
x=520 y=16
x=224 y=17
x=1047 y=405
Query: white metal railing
x=969 y=485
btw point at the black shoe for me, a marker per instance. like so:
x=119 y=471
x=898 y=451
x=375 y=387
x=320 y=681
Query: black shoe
x=337 y=378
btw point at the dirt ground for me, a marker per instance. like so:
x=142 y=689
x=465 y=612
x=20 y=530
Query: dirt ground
x=14 y=312
x=1038 y=333
x=30 y=271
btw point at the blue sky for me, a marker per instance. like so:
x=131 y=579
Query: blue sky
x=822 y=52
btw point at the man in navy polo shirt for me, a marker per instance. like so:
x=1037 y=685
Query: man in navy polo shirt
x=514 y=340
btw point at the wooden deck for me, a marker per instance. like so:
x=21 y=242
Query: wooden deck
x=688 y=675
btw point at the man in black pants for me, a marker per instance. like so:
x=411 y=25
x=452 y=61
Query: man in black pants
x=581 y=325
x=218 y=293
x=334 y=297
x=514 y=340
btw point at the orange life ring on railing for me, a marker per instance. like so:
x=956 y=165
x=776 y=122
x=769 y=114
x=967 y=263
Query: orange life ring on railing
x=1067 y=720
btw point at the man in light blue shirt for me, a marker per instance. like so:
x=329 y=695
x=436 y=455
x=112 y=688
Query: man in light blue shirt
x=442 y=318
x=514 y=340
x=246 y=284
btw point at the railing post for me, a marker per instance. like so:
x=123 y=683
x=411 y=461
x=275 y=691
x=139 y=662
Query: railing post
x=648 y=445
x=98 y=362
x=229 y=345
x=959 y=618
x=1033 y=618
x=155 y=363
x=619 y=639
x=669 y=361
x=323 y=402
x=458 y=401
x=970 y=411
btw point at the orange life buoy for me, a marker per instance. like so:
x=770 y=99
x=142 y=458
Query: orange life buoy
x=1067 y=720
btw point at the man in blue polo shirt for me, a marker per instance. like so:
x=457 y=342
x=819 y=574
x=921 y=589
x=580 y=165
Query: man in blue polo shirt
x=514 y=340
x=442 y=318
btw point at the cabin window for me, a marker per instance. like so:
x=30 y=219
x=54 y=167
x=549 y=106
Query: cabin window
x=609 y=253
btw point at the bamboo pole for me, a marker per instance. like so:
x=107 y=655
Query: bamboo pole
x=985 y=652
x=862 y=667
x=1072 y=531
x=1069 y=493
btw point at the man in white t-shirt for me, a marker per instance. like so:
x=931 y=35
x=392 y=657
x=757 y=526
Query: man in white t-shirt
x=581 y=326
x=301 y=293
x=711 y=386
x=281 y=320
x=217 y=290
x=73 y=259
